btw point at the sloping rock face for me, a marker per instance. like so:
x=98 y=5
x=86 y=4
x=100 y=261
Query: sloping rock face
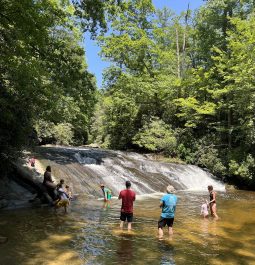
x=85 y=168
x=13 y=195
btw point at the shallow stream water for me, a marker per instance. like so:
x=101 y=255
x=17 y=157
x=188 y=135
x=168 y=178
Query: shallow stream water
x=89 y=233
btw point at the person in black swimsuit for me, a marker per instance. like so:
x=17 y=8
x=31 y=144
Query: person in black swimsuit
x=212 y=202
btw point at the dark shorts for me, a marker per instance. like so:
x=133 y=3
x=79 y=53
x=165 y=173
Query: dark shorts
x=165 y=221
x=126 y=216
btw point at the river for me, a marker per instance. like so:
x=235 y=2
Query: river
x=89 y=233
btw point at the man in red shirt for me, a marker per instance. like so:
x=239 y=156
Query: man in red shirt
x=128 y=197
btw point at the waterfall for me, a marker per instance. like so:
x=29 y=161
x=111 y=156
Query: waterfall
x=86 y=168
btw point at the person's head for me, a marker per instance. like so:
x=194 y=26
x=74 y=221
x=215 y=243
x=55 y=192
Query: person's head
x=67 y=187
x=203 y=200
x=170 y=189
x=62 y=181
x=210 y=188
x=48 y=168
x=102 y=186
x=128 y=184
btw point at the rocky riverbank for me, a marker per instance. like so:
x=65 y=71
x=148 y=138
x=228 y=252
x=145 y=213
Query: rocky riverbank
x=21 y=184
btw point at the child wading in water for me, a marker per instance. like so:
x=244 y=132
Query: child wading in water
x=63 y=197
x=204 y=209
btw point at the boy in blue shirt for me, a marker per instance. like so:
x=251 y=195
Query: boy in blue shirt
x=168 y=204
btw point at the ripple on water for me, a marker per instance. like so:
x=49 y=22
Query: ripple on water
x=89 y=234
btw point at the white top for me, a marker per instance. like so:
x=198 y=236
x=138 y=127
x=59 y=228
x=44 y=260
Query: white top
x=62 y=194
x=204 y=209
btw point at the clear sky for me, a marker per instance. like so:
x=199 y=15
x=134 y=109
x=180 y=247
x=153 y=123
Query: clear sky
x=96 y=65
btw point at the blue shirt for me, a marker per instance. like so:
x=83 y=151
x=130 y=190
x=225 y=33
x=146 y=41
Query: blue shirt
x=169 y=204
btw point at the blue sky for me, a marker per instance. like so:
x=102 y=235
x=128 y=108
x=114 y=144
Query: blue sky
x=96 y=65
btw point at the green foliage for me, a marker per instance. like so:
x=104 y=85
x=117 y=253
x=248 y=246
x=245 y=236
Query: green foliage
x=43 y=74
x=121 y=113
x=48 y=132
x=156 y=136
x=182 y=85
x=63 y=133
x=209 y=158
x=194 y=73
x=245 y=169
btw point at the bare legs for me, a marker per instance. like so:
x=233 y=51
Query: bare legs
x=161 y=233
x=129 y=225
x=213 y=211
x=121 y=224
x=170 y=231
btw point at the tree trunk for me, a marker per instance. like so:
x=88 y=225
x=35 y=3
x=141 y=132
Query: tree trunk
x=230 y=128
x=178 y=53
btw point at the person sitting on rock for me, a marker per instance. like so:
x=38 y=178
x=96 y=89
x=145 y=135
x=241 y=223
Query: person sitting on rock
x=48 y=183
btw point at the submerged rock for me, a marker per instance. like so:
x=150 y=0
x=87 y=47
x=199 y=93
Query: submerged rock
x=3 y=203
x=3 y=239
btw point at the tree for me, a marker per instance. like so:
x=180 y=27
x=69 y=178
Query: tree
x=43 y=74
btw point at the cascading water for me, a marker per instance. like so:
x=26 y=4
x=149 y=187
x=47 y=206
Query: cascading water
x=86 y=168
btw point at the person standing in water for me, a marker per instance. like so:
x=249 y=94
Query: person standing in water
x=204 y=209
x=128 y=198
x=107 y=193
x=212 y=202
x=168 y=204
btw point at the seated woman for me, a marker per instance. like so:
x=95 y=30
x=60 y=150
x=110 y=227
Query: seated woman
x=49 y=185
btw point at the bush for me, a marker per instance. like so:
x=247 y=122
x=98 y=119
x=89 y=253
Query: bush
x=63 y=133
x=156 y=136
x=209 y=158
x=50 y=133
x=245 y=169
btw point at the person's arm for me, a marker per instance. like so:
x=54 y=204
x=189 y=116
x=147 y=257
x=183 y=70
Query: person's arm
x=105 y=194
x=120 y=196
x=134 y=197
x=161 y=203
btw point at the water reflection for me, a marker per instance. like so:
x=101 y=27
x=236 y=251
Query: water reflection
x=125 y=250
x=167 y=251
x=90 y=234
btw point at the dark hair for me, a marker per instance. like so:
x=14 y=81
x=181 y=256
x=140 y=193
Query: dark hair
x=62 y=181
x=210 y=187
x=67 y=187
x=128 y=184
x=48 y=168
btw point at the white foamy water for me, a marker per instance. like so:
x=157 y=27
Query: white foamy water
x=86 y=168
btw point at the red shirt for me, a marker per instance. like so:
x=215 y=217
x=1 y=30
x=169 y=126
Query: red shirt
x=128 y=197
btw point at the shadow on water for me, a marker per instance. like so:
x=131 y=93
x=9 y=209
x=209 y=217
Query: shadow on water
x=65 y=156
x=41 y=238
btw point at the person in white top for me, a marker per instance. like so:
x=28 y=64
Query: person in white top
x=204 y=209
x=63 y=198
